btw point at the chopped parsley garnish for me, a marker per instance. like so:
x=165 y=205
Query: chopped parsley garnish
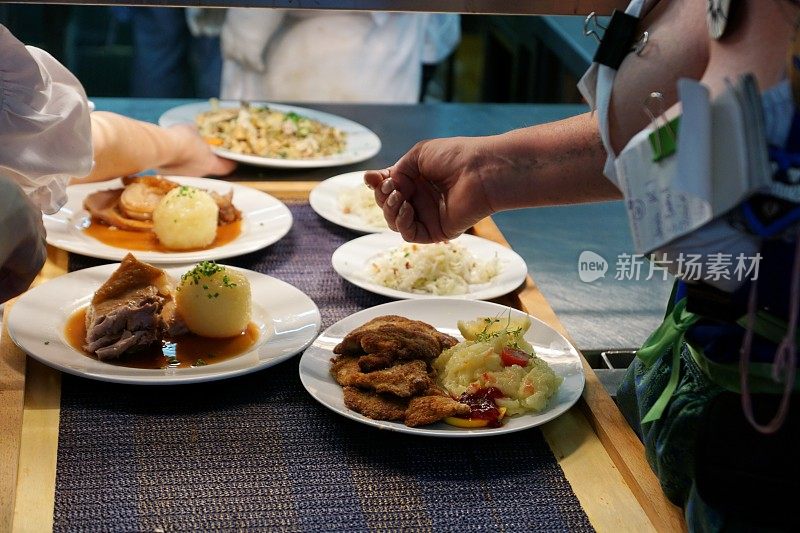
x=203 y=269
x=207 y=269
x=186 y=191
x=294 y=117
x=199 y=362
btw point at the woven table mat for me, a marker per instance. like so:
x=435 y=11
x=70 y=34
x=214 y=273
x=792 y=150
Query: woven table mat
x=257 y=452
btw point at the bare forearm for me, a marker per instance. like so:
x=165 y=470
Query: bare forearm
x=125 y=146
x=549 y=164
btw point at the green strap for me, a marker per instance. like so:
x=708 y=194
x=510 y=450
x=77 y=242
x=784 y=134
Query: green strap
x=727 y=375
x=768 y=326
x=658 y=407
x=670 y=333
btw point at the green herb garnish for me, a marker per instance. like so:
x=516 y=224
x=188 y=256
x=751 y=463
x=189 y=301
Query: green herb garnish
x=486 y=335
x=203 y=269
x=186 y=191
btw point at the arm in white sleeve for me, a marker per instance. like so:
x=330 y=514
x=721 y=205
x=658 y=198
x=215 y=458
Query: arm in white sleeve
x=45 y=136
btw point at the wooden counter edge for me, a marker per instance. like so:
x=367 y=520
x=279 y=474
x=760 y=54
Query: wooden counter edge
x=36 y=484
x=288 y=191
x=12 y=398
x=619 y=440
x=32 y=487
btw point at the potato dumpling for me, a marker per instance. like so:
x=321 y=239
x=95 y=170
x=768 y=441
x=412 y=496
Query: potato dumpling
x=214 y=301
x=185 y=219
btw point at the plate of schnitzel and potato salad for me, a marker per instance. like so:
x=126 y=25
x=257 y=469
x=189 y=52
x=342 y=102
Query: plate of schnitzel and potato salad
x=443 y=367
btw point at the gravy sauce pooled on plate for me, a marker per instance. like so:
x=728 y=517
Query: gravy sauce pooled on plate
x=125 y=218
x=135 y=319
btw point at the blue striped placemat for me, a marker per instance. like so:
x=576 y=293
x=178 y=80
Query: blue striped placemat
x=257 y=452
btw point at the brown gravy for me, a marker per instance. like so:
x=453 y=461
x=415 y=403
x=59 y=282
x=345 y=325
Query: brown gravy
x=181 y=352
x=146 y=241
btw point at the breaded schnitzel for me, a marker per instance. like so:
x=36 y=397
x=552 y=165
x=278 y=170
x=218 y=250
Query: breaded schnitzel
x=374 y=405
x=384 y=369
x=403 y=379
x=385 y=339
x=424 y=410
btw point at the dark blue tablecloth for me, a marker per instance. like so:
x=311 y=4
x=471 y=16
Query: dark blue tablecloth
x=257 y=452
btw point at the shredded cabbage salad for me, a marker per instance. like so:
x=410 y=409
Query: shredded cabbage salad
x=360 y=201
x=440 y=269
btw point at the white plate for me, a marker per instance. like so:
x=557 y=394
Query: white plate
x=443 y=314
x=351 y=261
x=287 y=320
x=324 y=199
x=265 y=221
x=362 y=143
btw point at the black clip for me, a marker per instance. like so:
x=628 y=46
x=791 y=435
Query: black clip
x=618 y=39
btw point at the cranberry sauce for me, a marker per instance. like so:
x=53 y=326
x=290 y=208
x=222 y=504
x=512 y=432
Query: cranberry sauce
x=482 y=405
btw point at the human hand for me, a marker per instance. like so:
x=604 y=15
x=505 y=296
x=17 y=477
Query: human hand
x=193 y=156
x=22 y=241
x=436 y=191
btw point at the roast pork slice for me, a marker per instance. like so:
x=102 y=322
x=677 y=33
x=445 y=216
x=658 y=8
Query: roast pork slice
x=138 y=201
x=156 y=182
x=142 y=195
x=104 y=206
x=132 y=309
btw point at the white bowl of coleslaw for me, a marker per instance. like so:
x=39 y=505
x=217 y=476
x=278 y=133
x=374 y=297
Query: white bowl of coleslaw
x=467 y=267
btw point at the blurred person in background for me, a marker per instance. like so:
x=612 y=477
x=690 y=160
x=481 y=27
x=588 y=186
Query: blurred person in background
x=176 y=51
x=48 y=136
x=326 y=56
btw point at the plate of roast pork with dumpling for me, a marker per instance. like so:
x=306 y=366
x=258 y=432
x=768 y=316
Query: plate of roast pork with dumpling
x=166 y=220
x=134 y=322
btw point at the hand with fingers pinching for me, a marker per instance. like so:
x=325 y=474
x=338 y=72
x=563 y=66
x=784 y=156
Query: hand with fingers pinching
x=442 y=187
x=434 y=192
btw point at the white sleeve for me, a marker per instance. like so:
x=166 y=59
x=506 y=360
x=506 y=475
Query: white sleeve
x=442 y=35
x=45 y=131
